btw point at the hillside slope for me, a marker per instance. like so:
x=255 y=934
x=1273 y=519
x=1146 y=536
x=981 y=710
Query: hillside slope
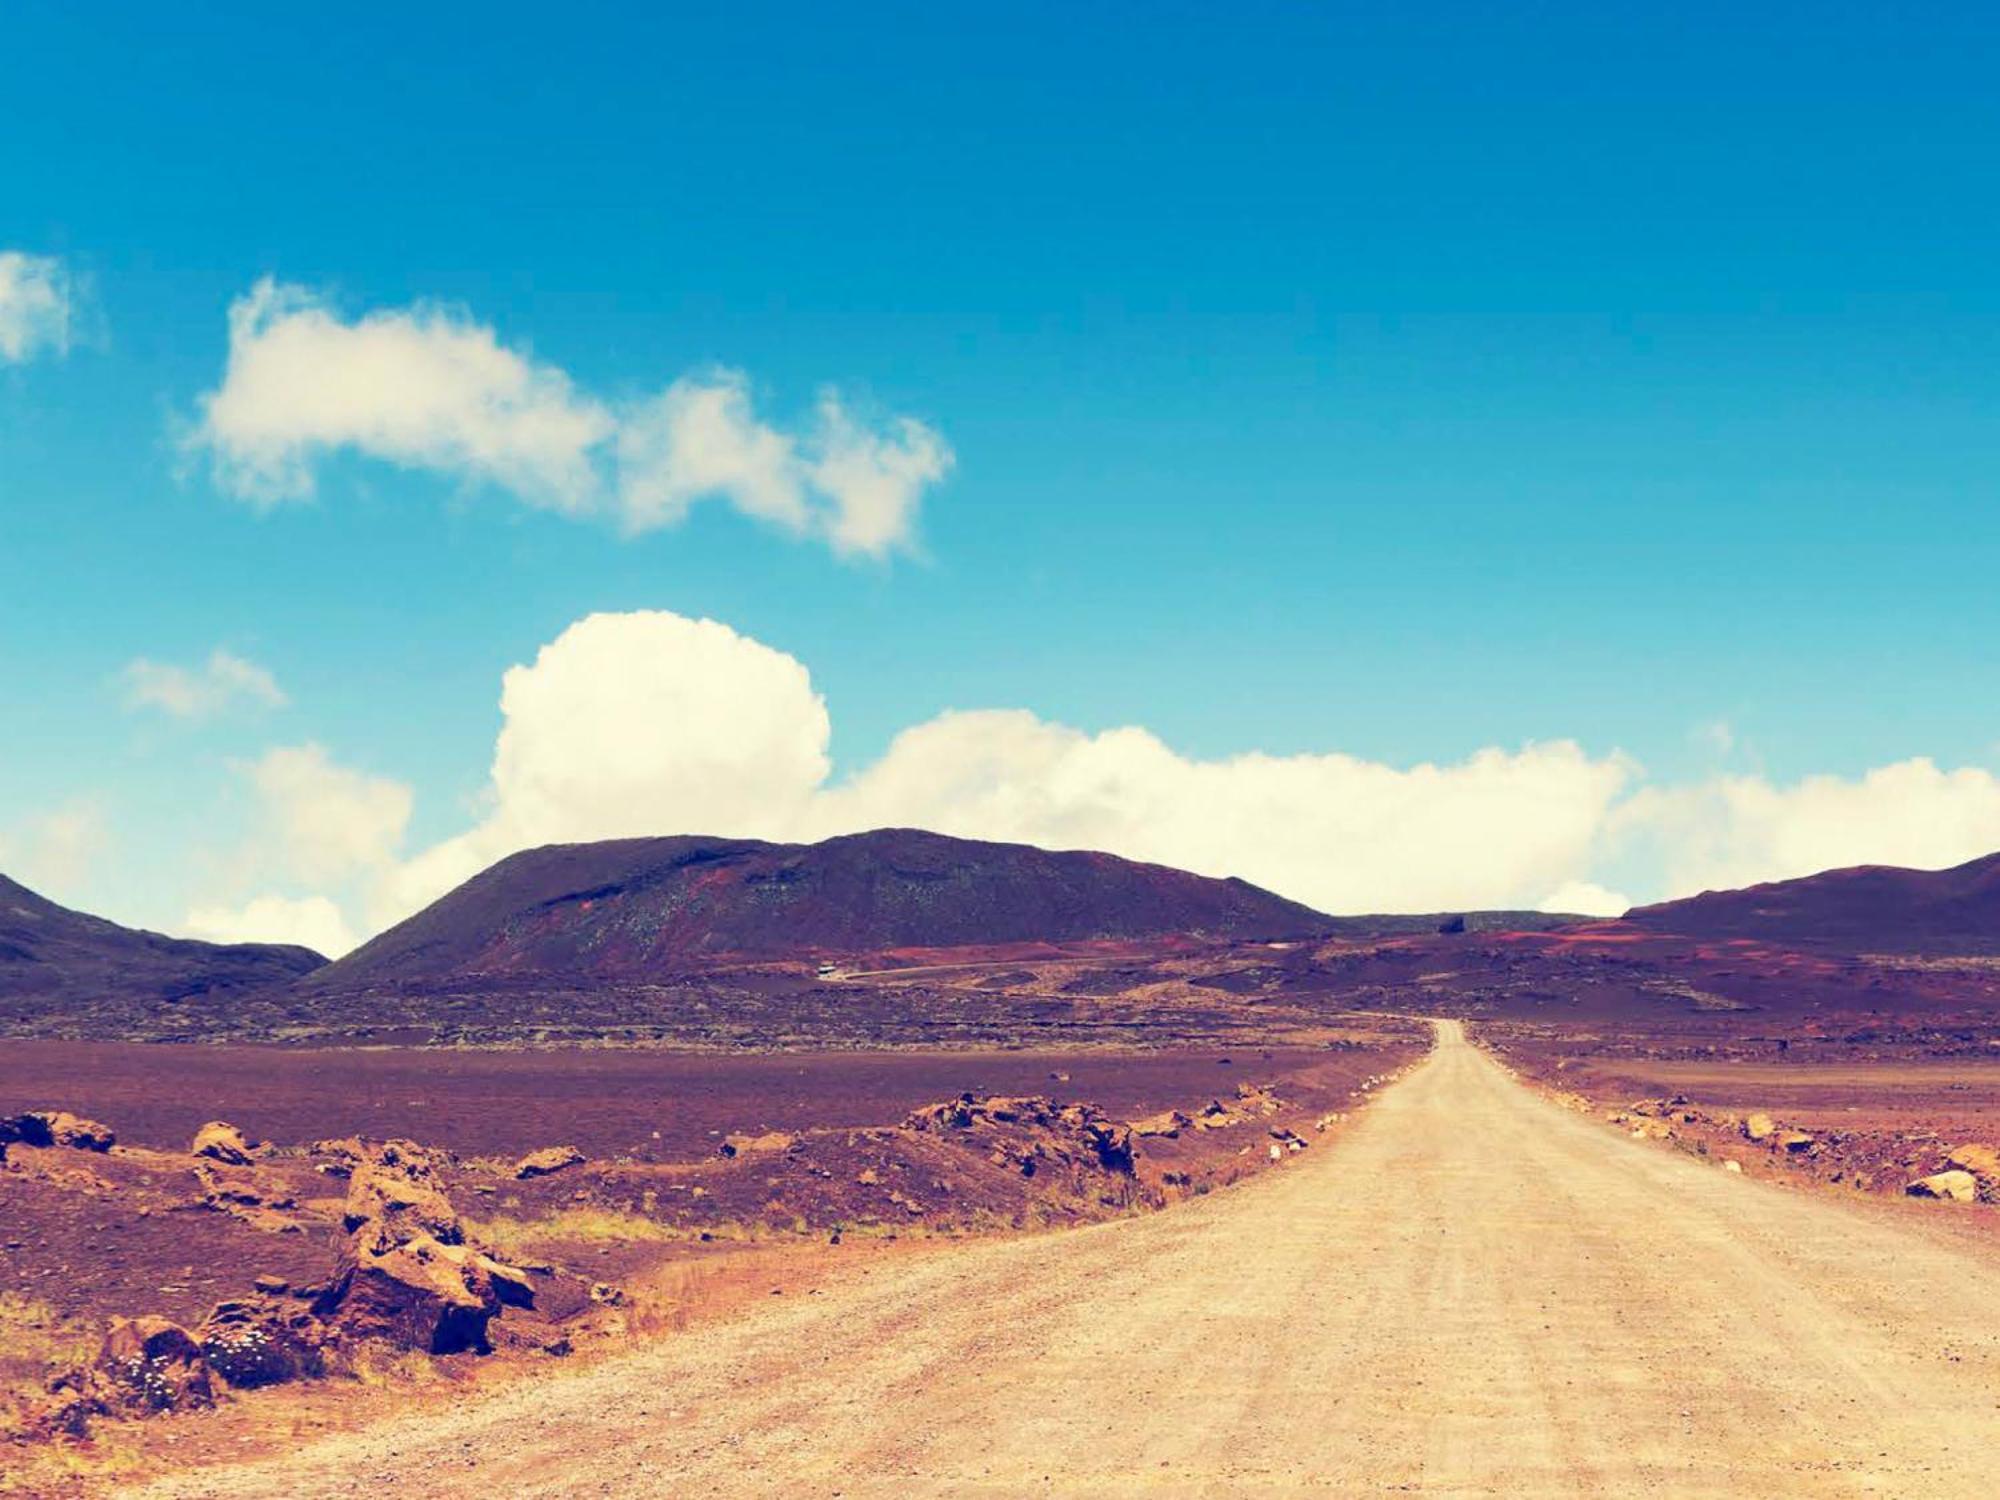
x=54 y=960
x=630 y=908
x=1866 y=909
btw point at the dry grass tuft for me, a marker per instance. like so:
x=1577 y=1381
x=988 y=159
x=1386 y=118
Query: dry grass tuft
x=508 y=1236
x=36 y=1342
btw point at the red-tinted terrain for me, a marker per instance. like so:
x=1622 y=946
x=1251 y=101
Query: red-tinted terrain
x=53 y=959
x=1866 y=909
x=628 y=909
x=597 y=1071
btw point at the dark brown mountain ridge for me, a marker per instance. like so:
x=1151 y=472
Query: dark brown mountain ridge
x=628 y=908
x=55 y=959
x=1862 y=909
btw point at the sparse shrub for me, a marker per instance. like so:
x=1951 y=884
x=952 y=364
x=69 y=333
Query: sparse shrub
x=249 y=1356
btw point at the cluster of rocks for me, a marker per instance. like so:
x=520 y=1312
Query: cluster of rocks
x=1971 y=1172
x=149 y=1364
x=404 y=1275
x=1032 y=1133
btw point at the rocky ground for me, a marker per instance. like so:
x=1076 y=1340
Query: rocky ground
x=1468 y=1292
x=1918 y=1121
x=142 y=1278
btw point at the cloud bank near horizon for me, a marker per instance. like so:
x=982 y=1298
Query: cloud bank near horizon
x=429 y=387
x=651 y=722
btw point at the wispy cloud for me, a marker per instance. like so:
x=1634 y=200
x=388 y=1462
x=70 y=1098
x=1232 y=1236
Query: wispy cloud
x=55 y=851
x=37 y=306
x=199 y=692
x=429 y=387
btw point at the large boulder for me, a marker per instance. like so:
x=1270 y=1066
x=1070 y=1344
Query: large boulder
x=1956 y=1185
x=406 y=1275
x=549 y=1159
x=339 y=1157
x=421 y=1294
x=218 y=1140
x=1107 y=1140
x=152 y=1364
x=1760 y=1127
x=394 y=1195
x=1031 y=1133
x=58 y=1127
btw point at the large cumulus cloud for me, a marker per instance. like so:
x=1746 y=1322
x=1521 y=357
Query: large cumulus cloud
x=651 y=723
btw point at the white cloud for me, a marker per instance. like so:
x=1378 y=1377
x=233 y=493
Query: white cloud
x=1737 y=830
x=653 y=723
x=1340 y=833
x=325 y=822
x=328 y=835
x=311 y=921
x=425 y=387
x=202 y=691
x=874 y=481
x=55 y=851
x=428 y=387
x=700 y=437
x=37 y=306
x=1585 y=898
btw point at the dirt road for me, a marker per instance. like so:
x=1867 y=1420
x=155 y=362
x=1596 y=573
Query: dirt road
x=1473 y=1293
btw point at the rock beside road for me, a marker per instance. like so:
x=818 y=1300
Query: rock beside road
x=394 y=1195
x=1167 y=1124
x=406 y=1275
x=1956 y=1185
x=419 y=1294
x=262 y=1340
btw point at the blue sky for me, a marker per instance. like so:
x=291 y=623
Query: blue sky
x=1393 y=382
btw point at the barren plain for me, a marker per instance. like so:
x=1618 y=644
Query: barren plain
x=1475 y=1292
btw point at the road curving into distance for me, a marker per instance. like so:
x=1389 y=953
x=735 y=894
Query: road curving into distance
x=1473 y=1292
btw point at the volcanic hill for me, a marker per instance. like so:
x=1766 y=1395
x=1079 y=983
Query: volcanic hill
x=629 y=909
x=1865 y=909
x=53 y=959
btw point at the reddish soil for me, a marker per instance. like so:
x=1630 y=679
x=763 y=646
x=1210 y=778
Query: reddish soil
x=1878 y=1117
x=649 y=1104
x=1865 y=909
x=88 y=1235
